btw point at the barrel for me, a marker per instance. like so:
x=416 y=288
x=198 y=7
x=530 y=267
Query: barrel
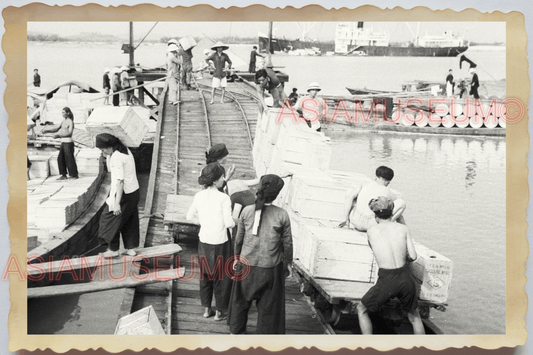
x=421 y=119
x=462 y=121
x=441 y=110
x=448 y=121
x=408 y=118
x=434 y=120
x=476 y=121
x=456 y=109
x=491 y=121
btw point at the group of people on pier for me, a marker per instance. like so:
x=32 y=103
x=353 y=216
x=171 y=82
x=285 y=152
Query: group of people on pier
x=462 y=86
x=254 y=237
x=251 y=234
x=117 y=81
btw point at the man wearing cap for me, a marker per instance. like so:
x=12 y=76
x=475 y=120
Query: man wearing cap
x=393 y=249
x=173 y=72
x=357 y=213
x=263 y=246
x=219 y=59
x=474 y=84
x=253 y=59
x=266 y=79
x=106 y=85
x=312 y=109
x=214 y=248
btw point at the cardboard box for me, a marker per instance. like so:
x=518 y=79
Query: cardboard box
x=142 y=322
x=434 y=273
x=122 y=122
x=337 y=254
x=187 y=42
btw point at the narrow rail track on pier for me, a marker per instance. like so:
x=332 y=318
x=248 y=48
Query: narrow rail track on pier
x=200 y=125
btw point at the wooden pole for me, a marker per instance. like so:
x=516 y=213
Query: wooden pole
x=270 y=47
x=132 y=61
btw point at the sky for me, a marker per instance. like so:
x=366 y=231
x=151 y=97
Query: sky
x=486 y=32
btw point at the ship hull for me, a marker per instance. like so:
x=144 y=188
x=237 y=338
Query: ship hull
x=282 y=45
x=392 y=51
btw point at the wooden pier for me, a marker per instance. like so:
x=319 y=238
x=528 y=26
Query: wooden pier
x=185 y=132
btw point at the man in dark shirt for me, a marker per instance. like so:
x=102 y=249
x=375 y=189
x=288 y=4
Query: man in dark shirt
x=264 y=244
x=219 y=60
x=474 y=85
x=36 y=78
x=294 y=96
x=253 y=56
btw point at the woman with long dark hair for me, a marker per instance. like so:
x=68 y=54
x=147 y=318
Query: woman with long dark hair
x=121 y=215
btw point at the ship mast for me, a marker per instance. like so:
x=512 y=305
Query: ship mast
x=270 y=47
x=132 y=61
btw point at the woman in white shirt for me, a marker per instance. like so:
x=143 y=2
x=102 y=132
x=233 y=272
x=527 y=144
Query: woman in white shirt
x=121 y=215
x=214 y=248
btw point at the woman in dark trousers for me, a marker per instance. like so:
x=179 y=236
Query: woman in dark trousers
x=121 y=215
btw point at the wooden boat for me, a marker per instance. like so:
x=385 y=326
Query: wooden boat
x=365 y=91
x=78 y=206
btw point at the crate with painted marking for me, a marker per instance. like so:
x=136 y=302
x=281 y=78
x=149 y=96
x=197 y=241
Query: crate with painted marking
x=142 y=322
x=433 y=272
x=122 y=122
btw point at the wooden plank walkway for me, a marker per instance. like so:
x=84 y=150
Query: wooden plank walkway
x=163 y=181
x=226 y=125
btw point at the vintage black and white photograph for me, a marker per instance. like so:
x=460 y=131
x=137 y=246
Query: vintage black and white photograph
x=295 y=178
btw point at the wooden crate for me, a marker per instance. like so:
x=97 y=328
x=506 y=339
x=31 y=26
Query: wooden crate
x=337 y=254
x=321 y=198
x=122 y=122
x=187 y=42
x=55 y=214
x=142 y=322
x=39 y=167
x=434 y=273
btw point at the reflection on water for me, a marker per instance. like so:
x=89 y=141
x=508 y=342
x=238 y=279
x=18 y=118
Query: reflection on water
x=455 y=192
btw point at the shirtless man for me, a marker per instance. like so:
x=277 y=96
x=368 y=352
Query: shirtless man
x=65 y=159
x=393 y=249
x=357 y=213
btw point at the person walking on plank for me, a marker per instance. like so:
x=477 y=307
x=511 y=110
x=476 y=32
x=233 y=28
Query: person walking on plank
x=121 y=214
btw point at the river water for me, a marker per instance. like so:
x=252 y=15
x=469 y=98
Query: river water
x=454 y=186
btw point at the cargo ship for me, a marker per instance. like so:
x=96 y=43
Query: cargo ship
x=355 y=39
